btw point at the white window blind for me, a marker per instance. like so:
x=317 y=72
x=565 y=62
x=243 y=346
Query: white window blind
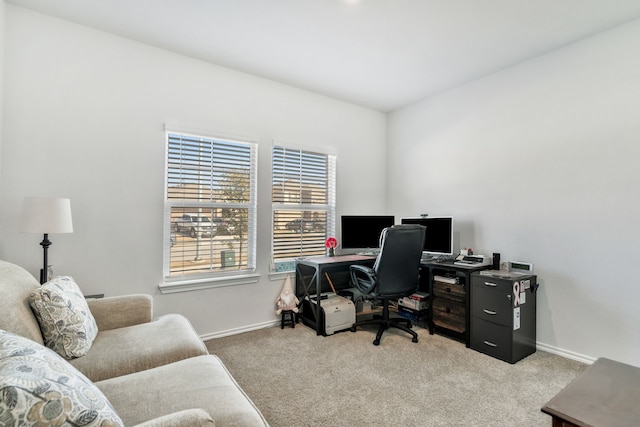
x=210 y=206
x=303 y=200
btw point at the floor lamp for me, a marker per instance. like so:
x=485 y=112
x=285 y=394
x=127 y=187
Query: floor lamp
x=46 y=215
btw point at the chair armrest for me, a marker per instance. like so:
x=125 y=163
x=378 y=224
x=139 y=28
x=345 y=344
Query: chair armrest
x=363 y=278
x=120 y=311
x=186 y=418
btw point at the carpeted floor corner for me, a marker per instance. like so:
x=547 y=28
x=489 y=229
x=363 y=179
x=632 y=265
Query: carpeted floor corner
x=299 y=379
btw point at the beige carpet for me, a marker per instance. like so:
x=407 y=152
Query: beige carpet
x=299 y=379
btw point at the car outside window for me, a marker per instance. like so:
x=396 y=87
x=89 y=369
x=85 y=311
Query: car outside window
x=303 y=203
x=210 y=205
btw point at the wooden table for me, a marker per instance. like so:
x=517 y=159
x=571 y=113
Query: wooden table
x=606 y=394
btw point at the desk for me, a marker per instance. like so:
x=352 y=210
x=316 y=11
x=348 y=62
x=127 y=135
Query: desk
x=311 y=280
x=606 y=394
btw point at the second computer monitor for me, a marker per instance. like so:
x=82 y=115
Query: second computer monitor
x=438 y=240
x=362 y=232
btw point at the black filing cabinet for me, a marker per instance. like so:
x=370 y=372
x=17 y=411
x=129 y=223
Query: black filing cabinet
x=503 y=314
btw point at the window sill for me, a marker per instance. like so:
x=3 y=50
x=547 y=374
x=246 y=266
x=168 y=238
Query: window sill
x=279 y=275
x=206 y=283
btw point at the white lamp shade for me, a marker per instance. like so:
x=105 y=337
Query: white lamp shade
x=46 y=215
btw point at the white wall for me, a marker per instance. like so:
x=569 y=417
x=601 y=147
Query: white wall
x=84 y=115
x=539 y=162
x=1 y=79
x=536 y=162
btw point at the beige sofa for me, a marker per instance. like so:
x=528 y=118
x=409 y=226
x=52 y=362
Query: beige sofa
x=154 y=372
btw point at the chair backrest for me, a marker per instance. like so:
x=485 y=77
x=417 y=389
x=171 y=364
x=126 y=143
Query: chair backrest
x=398 y=264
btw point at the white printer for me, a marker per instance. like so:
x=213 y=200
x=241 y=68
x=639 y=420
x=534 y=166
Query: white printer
x=338 y=313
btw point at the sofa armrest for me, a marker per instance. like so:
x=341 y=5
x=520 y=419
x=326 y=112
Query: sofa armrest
x=186 y=418
x=120 y=311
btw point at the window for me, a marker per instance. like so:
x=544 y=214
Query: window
x=303 y=200
x=210 y=205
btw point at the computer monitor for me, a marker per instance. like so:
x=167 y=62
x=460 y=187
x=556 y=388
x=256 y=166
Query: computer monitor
x=438 y=240
x=361 y=232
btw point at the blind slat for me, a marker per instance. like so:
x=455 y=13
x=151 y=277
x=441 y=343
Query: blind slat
x=302 y=178
x=210 y=205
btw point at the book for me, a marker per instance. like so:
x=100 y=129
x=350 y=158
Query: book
x=445 y=279
x=419 y=295
x=413 y=303
x=409 y=316
x=413 y=315
x=422 y=312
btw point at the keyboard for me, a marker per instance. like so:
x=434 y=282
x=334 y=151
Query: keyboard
x=443 y=258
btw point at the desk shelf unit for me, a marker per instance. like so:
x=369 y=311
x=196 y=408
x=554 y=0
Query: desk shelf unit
x=449 y=293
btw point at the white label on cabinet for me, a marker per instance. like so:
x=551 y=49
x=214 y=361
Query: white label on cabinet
x=516 y=318
x=523 y=297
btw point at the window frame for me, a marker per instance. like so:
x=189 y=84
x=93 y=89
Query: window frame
x=287 y=265
x=202 y=280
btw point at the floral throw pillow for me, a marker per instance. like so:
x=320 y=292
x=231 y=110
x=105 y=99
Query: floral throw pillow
x=67 y=325
x=40 y=388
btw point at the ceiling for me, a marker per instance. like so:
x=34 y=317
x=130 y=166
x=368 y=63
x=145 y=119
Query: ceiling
x=381 y=54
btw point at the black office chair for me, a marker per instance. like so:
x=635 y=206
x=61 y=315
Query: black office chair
x=395 y=274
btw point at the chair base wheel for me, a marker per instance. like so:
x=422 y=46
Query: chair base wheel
x=384 y=323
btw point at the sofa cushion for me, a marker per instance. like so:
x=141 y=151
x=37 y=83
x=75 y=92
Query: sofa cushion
x=38 y=388
x=199 y=382
x=121 y=311
x=193 y=417
x=135 y=348
x=67 y=325
x=16 y=284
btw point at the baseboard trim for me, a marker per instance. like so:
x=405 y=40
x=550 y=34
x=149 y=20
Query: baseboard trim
x=241 y=330
x=565 y=353
x=539 y=346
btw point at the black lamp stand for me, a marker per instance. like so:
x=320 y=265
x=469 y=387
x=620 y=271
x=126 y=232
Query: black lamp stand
x=45 y=245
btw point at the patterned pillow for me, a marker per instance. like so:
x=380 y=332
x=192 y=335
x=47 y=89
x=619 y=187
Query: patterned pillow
x=67 y=325
x=40 y=388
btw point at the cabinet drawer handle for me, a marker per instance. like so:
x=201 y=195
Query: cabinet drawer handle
x=490 y=284
x=490 y=344
x=491 y=312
